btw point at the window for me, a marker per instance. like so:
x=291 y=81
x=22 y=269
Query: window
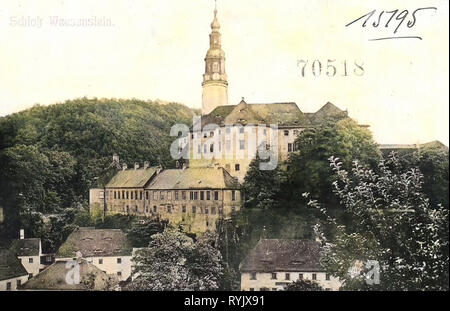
x=155 y=209
x=123 y=194
x=220 y=146
x=8 y=286
x=289 y=147
x=241 y=130
x=233 y=209
x=118 y=195
x=211 y=134
x=241 y=144
x=205 y=148
x=19 y=282
x=176 y=195
x=30 y=275
x=227 y=167
x=183 y=195
x=208 y=195
x=119 y=260
x=314 y=276
x=253 y=276
x=213 y=210
x=194 y=209
x=132 y=195
x=264 y=132
x=140 y=195
x=294 y=147
x=169 y=209
x=228 y=145
x=155 y=195
x=128 y=195
x=128 y=209
x=146 y=195
x=233 y=195
x=195 y=195
x=169 y=195
x=202 y=195
x=100 y=261
x=119 y=273
x=327 y=276
x=206 y=210
x=221 y=210
x=286 y=132
x=161 y=195
x=146 y=209
x=115 y=195
x=183 y=209
x=199 y=149
x=274 y=276
x=274 y=289
x=251 y=289
x=228 y=130
x=216 y=195
x=30 y=260
x=237 y=167
x=191 y=195
x=136 y=208
x=136 y=195
x=288 y=276
x=300 y=276
x=211 y=148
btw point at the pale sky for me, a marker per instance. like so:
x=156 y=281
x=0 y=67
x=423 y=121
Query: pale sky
x=155 y=49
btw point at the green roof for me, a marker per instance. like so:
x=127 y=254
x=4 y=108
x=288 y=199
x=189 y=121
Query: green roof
x=54 y=278
x=282 y=114
x=194 y=178
x=26 y=247
x=132 y=178
x=95 y=243
x=327 y=111
x=10 y=265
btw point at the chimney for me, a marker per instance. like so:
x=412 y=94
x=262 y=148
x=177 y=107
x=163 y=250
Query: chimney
x=136 y=165
x=159 y=169
x=146 y=165
x=124 y=167
x=116 y=158
x=22 y=234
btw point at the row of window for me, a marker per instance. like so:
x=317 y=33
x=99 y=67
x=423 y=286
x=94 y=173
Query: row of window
x=242 y=131
x=162 y=195
x=169 y=209
x=100 y=261
x=287 y=276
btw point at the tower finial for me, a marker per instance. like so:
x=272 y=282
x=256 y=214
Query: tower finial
x=215 y=6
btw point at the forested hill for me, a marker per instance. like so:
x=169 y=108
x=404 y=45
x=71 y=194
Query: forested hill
x=51 y=155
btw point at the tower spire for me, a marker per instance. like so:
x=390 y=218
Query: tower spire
x=215 y=84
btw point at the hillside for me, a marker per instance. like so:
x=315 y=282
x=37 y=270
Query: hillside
x=51 y=155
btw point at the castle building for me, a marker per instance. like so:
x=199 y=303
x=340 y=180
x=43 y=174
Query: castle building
x=194 y=198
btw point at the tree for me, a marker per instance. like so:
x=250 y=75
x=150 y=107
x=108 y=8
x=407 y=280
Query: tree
x=309 y=168
x=303 y=286
x=261 y=187
x=395 y=233
x=142 y=229
x=174 y=262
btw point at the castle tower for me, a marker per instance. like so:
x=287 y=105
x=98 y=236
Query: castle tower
x=215 y=84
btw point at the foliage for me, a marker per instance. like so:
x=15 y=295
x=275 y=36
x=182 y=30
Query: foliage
x=141 y=230
x=174 y=262
x=393 y=224
x=51 y=155
x=309 y=168
x=261 y=187
x=303 y=286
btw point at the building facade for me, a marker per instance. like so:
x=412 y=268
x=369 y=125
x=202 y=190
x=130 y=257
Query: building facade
x=274 y=264
x=107 y=249
x=29 y=252
x=12 y=273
